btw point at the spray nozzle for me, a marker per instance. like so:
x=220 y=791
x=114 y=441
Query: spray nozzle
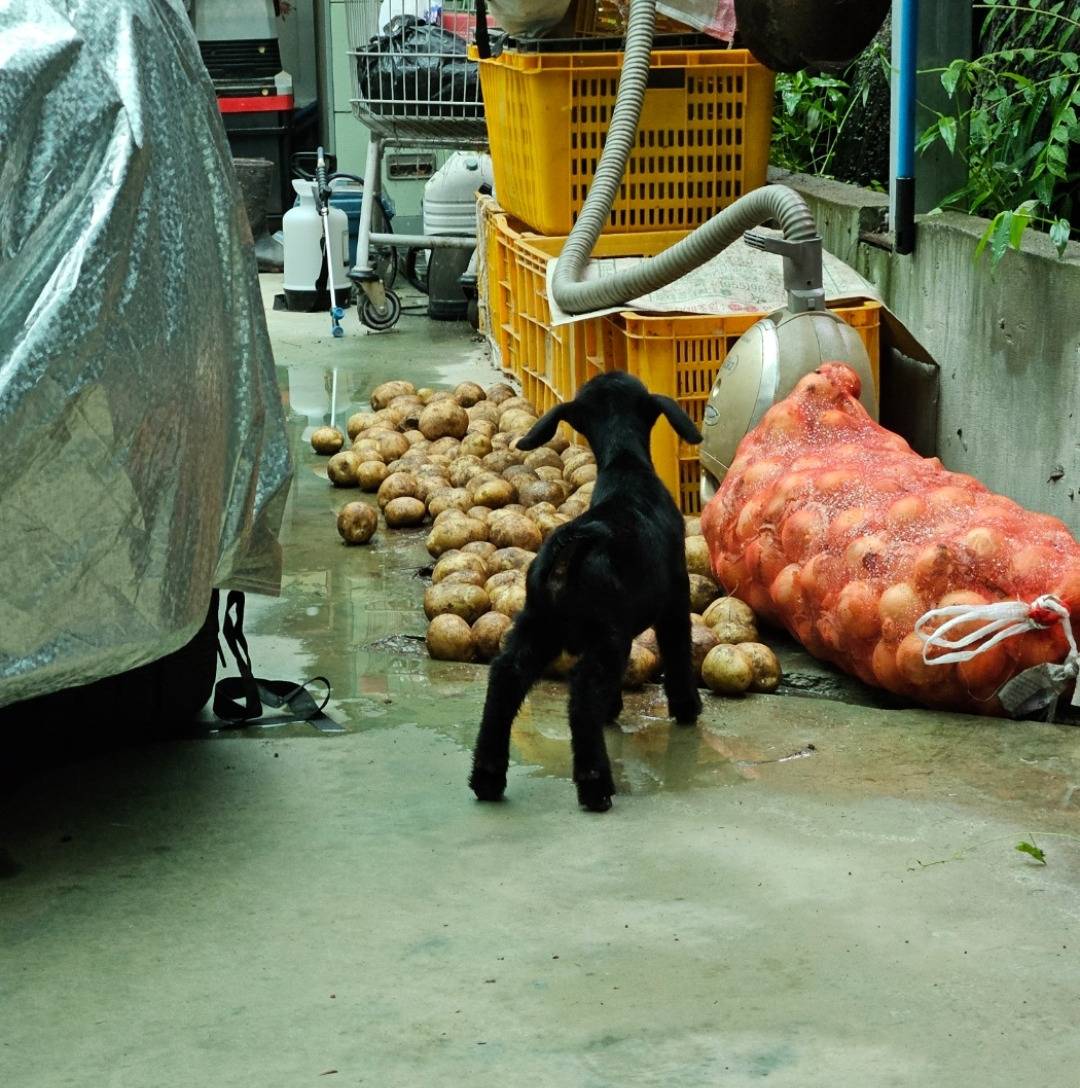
x=322 y=182
x=802 y=268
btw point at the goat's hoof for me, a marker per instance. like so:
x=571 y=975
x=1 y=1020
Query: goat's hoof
x=595 y=793
x=488 y=785
x=686 y=711
x=615 y=710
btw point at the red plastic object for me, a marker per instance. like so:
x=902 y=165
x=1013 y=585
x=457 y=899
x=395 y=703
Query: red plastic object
x=462 y=23
x=834 y=528
x=266 y=103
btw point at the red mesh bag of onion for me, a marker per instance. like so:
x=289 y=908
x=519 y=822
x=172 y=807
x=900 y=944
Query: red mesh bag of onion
x=915 y=579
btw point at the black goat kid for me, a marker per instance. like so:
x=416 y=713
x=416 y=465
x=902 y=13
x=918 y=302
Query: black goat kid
x=596 y=583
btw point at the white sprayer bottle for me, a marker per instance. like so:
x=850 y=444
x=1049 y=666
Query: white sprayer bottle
x=303 y=243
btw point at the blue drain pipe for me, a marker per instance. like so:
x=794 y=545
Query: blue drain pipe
x=907 y=31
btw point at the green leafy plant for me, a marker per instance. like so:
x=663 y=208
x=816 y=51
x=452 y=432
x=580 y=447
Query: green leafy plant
x=811 y=110
x=1032 y=850
x=811 y=114
x=1018 y=104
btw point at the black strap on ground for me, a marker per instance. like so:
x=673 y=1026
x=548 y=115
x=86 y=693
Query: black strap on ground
x=239 y=700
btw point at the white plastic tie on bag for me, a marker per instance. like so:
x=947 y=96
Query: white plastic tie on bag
x=1031 y=690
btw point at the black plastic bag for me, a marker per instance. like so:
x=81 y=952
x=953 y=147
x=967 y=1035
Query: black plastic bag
x=417 y=70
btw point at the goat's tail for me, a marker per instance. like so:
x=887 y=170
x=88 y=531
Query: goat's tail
x=552 y=566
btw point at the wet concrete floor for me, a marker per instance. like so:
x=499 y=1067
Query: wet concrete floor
x=798 y=890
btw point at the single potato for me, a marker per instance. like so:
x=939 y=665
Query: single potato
x=455 y=498
x=443 y=419
x=357 y=522
x=383 y=394
x=457 y=560
x=359 y=421
x=327 y=440
x=697 y=558
x=477 y=444
x=403 y=512
x=504 y=578
x=341 y=469
x=536 y=491
x=468 y=602
x=469 y=393
x=508 y=599
x=487 y=632
x=464 y=578
x=515 y=531
x=641 y=668
x=398 y=485
x=507 y=559
x=543 y=458
x=730 y=610
x=727 y=671
x=734 y=634
x=702 y=641
x=449 y=638
x=494 y=493
x=454 y=533
x=499 y=392
x=703 y=591
x=392 y=445
x=483 y=548
x=765 y=665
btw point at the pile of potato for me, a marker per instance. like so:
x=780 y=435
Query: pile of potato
x=446 y=459
x=727 y=657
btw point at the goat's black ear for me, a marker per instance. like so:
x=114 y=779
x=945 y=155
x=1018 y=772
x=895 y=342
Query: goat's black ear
x=544 y=429
x=679 y=420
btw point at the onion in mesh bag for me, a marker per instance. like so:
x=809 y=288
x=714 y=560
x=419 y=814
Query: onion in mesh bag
x=911 y=577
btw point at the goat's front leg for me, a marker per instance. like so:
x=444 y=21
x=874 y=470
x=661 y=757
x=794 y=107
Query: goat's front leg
x=594 y=691
x=680 y=683
x=530 y=648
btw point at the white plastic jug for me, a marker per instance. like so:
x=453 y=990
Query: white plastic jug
x=303 y=242
x=450 y=194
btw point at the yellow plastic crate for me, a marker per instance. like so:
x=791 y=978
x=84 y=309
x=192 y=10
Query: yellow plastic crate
x=680 y=355
x=675 y=354
x=548 y=357
x=494 y=239
x=543 y=354
x=703 y=138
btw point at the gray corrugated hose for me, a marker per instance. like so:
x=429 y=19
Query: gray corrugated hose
x=771 y=202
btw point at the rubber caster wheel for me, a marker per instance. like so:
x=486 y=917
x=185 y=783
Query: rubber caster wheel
x=379 y=322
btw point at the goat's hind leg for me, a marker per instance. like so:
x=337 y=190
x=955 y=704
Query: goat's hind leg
x=594 y=692
x=530 y=647
x=680 y=683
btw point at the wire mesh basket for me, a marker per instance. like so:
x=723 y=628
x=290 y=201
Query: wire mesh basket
x=412 y=80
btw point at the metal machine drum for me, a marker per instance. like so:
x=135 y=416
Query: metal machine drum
x=762 y=368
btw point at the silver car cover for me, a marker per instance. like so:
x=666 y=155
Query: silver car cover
x=143 y=454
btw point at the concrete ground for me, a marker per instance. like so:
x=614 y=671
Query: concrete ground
x=803 y=891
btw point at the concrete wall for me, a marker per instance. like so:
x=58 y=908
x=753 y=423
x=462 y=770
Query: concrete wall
x=1007 y=342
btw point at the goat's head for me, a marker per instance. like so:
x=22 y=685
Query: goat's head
x=616 y=413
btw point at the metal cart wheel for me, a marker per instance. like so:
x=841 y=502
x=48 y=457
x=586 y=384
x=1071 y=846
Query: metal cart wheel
x=384 y=257
x=379 y=320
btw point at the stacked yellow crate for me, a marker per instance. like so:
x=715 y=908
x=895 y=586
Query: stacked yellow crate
x=703 y=141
